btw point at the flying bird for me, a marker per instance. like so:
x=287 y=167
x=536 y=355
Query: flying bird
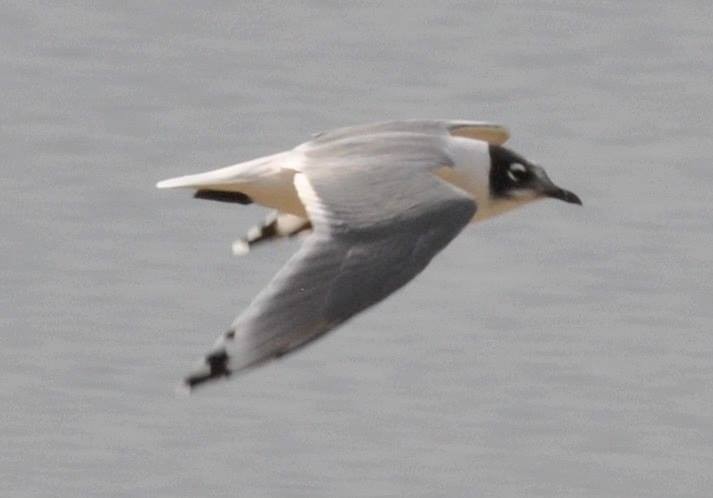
x=378 y=202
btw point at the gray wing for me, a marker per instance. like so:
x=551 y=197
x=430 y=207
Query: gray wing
x=379 y=216
x=480 y=130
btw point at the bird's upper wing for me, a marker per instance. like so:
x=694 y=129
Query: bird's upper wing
x=213 y=184
x=479 y=130
x=379 y=217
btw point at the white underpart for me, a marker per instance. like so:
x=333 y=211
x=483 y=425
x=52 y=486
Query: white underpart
x=277 y=192
x=288 y=224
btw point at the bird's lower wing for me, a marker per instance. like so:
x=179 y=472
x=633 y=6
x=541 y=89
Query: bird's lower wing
x=375 y=228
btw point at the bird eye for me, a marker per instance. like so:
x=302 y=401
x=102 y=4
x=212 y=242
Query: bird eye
x=517 y=172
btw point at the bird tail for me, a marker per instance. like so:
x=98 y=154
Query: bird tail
x=230 y=175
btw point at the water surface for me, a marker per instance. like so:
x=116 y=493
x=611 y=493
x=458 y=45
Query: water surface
x=555 y=351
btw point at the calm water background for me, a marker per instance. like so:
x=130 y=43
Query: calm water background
x=556 y=351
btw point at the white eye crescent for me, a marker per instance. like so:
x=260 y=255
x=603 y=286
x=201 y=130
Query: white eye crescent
x=517 y=172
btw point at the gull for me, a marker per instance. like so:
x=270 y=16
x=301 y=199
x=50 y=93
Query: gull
x=378 y=202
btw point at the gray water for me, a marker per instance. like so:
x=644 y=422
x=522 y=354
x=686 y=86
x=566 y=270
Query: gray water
x=556 y=351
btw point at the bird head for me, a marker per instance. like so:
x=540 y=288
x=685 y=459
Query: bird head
x=514 y=181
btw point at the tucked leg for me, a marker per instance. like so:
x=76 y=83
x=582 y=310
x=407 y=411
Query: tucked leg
x=276 y=226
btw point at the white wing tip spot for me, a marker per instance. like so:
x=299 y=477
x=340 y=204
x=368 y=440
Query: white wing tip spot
x=240 y=248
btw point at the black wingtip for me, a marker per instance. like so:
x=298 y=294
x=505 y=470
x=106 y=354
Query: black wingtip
x=217 y=366
x=223 y=196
